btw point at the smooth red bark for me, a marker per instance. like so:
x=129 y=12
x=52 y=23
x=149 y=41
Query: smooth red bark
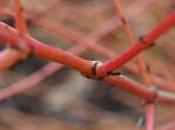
x=136 y=48
x=150 y=113
x=84 y=66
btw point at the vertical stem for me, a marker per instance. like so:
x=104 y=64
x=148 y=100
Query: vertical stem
x=20 y=22
x=150 y=113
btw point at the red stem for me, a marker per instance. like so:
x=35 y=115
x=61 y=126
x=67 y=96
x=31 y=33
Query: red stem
x=150 y=112
x=82 y=65
x=57 y=55
x=20 y=22
x=9 y=56
x=45 y=51
x=50 y=68
x=139 y=46
x=130 y=35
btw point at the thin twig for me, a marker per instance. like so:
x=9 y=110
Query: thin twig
x=130 y=35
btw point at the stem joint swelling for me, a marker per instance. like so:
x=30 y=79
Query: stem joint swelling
x=143 y=41
x=94 y=75
x=155 y=96
x=22 y=45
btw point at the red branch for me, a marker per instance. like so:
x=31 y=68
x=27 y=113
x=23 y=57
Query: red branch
x=9 y=35
x=130 y=35
x=20 y=40
x=144 y=43
x=48 y=52
x=50 y=68
x=150 y=112
x=9 y=56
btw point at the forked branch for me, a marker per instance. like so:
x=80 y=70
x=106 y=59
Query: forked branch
x=85 y=66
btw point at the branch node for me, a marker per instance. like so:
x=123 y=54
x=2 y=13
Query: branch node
x=93 y=74
x=155 y=96
x=143 y=41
